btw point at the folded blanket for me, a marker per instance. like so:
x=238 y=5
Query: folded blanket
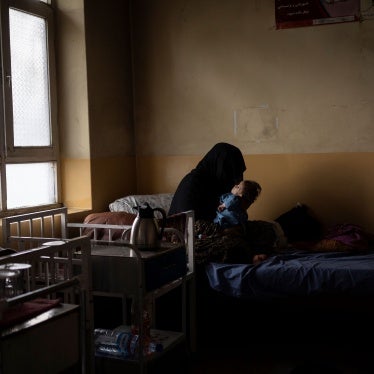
x=22 y=312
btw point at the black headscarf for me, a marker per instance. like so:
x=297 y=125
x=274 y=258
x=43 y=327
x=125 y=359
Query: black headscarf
x=219 y=170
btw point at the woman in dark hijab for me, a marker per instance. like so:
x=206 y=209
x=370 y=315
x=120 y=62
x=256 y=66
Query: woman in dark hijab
x=200 y=190
x=220 y=169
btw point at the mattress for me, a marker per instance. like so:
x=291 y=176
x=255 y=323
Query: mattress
x=295 y=273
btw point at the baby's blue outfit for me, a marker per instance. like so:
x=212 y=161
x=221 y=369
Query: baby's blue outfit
x=233 y=214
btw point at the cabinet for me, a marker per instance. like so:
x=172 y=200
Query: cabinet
x=121 y=270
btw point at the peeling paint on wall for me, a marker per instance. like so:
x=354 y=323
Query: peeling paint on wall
x=256 y=124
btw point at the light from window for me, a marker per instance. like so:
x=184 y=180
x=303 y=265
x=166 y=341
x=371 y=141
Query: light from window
x=29 y=146
x=30 y=184
x=30 y=91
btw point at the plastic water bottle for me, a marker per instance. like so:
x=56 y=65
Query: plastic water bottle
x=149 y=347
x=112 y=343
x=122 y=343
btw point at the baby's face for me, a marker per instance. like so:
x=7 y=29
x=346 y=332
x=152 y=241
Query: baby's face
x=238 y=189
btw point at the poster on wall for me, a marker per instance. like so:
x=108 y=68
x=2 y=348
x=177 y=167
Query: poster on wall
x=299 y=13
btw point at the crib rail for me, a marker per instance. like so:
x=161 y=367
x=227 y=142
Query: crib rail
x=25 y=231
x=58 y=270
x=42 y=271
x=93 y=230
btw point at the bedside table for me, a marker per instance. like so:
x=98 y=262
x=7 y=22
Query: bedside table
x=121 y=270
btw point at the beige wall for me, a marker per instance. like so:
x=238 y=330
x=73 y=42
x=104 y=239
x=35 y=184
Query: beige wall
x=338 y=187
x=110 y=88
x=95 y=102
x=207 y=71
x=297 y=102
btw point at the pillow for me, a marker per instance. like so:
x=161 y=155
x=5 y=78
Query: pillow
x=128 y=203
x=177 y=221
x=108 y=218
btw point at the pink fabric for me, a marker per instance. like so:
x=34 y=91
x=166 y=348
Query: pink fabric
x=108 y=218
x=349 y=234
x=22 y=312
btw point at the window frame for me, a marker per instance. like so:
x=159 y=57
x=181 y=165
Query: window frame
x=8 y=152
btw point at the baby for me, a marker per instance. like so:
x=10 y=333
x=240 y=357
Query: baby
x=232 y=210
x=233 y=206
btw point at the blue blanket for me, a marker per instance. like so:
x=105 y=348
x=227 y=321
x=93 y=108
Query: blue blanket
x=295 y=273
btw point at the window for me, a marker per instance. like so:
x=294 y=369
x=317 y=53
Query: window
x=29 y=161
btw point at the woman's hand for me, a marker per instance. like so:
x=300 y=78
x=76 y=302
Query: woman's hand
x=259 y=258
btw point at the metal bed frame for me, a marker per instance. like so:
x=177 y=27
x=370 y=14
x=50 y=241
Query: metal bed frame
x=26 y=231
x=54 y=271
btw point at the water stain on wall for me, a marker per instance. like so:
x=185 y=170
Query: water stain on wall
x=256 y=124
